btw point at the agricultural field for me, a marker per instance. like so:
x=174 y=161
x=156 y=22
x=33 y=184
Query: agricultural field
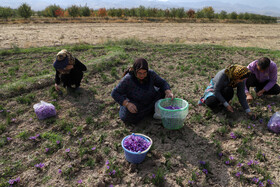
x=75 y=147
x=226 y=34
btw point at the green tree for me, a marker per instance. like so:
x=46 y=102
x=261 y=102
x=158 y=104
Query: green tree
x=180 y=13
x=51 y=10
x=240 y=16
x=199 y=14
x=223 y=15
x=173 y=12
x=233 y=15
x=246 y=16
x=74 y=11
x=6 y=12
x=25 y=11
x=141 y=12
x=85 y=11
x=208 y=12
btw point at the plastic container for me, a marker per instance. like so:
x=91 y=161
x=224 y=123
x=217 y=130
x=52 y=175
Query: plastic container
x=136 y=157
x=173 y=119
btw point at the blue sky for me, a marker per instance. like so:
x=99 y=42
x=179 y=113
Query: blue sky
x=237 y=5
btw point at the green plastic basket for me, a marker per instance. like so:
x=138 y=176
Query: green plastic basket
x=173 y=119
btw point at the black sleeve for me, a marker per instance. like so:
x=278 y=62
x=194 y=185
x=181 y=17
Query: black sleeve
x=57 y=78
x=79 y=65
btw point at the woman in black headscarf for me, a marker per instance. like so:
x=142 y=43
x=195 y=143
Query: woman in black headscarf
x=138 y=91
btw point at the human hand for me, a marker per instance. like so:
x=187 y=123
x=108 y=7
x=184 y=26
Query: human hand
x=249 y=97
x=68 y=67
x=229 y=108
x=56 y=87
x=131 y=107
x=260 y=93
x=169 y=94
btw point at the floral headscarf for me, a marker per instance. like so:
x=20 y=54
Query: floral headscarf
x=236 y=72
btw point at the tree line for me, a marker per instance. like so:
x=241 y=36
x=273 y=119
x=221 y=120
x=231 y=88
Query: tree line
x=25 y=11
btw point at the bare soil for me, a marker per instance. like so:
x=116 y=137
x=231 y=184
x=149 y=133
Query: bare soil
x=241 y=35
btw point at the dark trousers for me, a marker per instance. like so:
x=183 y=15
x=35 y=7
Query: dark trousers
x=134 y=118
x=213 y=102
x=252 y=81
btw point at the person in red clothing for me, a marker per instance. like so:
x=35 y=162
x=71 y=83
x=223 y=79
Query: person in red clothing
x=69 y=70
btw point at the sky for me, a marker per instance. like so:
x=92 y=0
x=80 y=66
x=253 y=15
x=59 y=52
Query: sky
x=239 y=5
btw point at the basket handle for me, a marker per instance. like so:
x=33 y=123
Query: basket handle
x=148 y=139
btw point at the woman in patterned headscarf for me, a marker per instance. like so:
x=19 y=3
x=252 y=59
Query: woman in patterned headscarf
x=220 y=89
x=69 y=70
x=136 y=92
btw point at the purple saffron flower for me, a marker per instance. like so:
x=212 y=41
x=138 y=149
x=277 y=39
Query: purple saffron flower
x=233 y=135
x=67 y=150
x=227 y=162
x=108 y=167
x=205 y=171
x=80 y=139
x=261 y=183
x=251 y=162
x=253 y=125
x=153 y=176
x=239 y=165
x=107 y=162
x=59 y=171
x=93 y=148
x=8 y=110
x=30 y=119
x=57 y=142
x=111 y=185
x=14 y=119
x=261 y=120
x=1 y=111
x=202 y=162
x=47 y=149
x=256 y=162
x=68 y=132
x=17 y=179
x=255 y=180
x=114 y=172
x=9 y=139
x=269 y=182
x=80 y=181
x=231 y=158
x=191 y=182
x=238 y=174
x=11 y=181
x=249 y=127
x=220 y=154
x=40 y=165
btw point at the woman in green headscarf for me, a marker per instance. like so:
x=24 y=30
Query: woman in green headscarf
x=220 y=89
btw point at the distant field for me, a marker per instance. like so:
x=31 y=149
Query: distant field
x=90 y=119
x=240 y=35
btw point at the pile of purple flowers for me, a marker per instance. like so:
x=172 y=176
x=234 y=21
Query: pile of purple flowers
x=14 y=181
x=274 y=123
x=44 y=110
x=136 y=143
x=171 y=107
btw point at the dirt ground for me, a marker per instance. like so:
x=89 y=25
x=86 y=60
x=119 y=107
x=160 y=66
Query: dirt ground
x=241 y=35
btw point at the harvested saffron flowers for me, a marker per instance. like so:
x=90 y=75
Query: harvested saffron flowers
x=44 y=110
x=136 y=143
x=171 y=107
